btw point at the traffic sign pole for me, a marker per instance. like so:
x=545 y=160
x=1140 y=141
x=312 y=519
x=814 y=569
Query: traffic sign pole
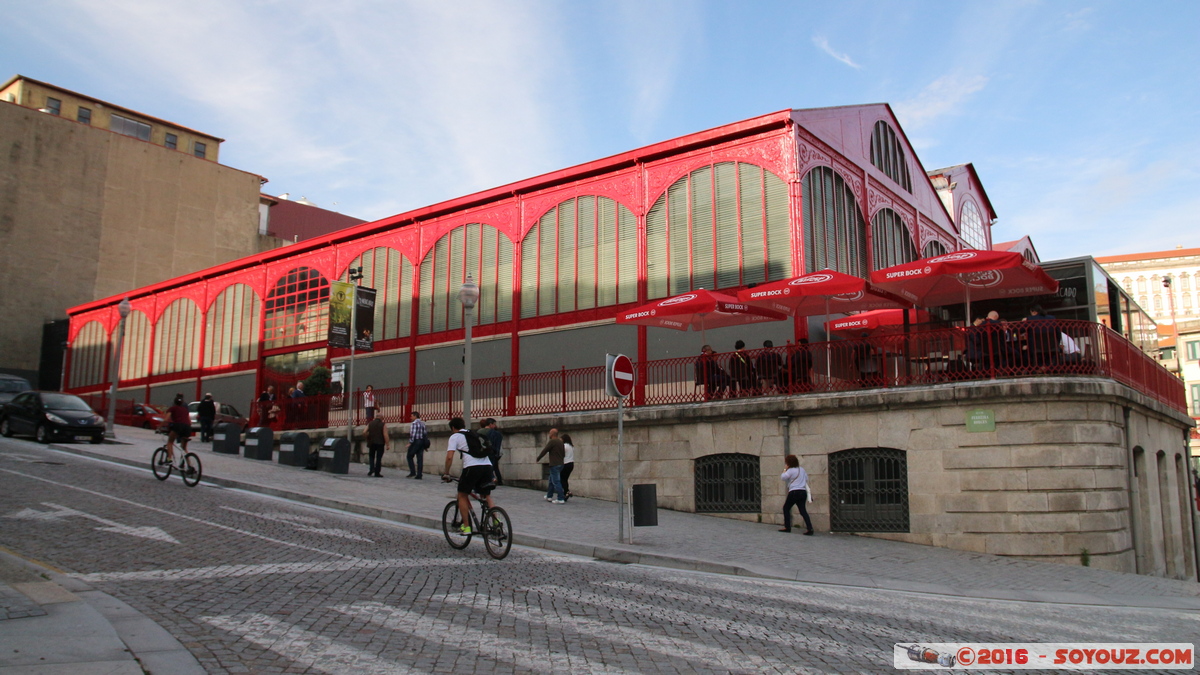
x=619 y=382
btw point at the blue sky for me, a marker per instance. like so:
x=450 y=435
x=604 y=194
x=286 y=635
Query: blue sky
x=1082 y=118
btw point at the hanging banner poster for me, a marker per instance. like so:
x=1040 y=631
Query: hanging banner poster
x=364 y=320
x=340 y=294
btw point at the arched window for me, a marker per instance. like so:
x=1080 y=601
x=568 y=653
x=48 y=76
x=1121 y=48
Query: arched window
x=390 y=274
x=580 y=254
x=1028 y=256
x=135 y=347
x=868 y=490
x=888 y=156
x=933 y=249
x=297 y=309
x=232 y=325
x=728 y=483
x=721 y=226
x=177 y=338
x=890 y=241
x=475 y=249
x=970 y=226
x=88 y=352
x=835 y=232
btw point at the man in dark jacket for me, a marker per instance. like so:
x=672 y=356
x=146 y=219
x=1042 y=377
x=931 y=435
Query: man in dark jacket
x=206 y=412
x=741 y=369
x=557 y=455
x=495 y=442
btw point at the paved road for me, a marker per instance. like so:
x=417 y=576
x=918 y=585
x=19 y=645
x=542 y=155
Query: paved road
x=252 y=584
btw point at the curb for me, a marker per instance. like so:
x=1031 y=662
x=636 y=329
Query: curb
x=634 y=557
x=151 y=645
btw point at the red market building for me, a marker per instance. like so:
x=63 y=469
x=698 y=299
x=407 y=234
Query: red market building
x=556 y=256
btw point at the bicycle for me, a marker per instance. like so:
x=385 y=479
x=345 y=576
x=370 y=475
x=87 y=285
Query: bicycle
x=162 y=466
x=493 y=524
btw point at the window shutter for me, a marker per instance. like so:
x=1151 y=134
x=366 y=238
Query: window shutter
x=656 y=249
x=627 y=255
x=750 y=198
x=566 y=256
x=677 y=237
x=548 y=270
x=703 y=253
x=606 y=252
x=778 y=226
x=586 y=254
x=529 y=271
x=504 y=279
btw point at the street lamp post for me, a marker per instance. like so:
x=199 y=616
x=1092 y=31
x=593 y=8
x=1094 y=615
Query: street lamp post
x=356 y=275
x=468 y=295
x=123 y=309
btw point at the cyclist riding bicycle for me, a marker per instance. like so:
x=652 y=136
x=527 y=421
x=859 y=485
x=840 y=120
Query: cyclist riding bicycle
x=179 y=427
x=476 y=472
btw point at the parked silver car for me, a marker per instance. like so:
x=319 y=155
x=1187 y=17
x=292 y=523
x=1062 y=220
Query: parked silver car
x=225 y=413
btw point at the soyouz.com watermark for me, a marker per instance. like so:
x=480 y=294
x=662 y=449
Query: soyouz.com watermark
x=1044 y=655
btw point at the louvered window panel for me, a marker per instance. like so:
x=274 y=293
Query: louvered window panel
x=607 y=253
x=390 y=274
x=677 y=236
x=529 y=271
x=89 y=351
x=727 y=234
x=703 y=230
x=231 y=332
x=135 y=348
x=778 y=227
x=486 y=276
x=425 y=298
x=754 y=259
x=471 y=246
x=457 y=267
x=934 y=249
x=566 y=256
x=585 y=275
x=887 y=155
x=548 y=264
x=738 y=231
x=891 y=240
x=177 y=338
x=441 y=279
x=834 y=229
x=656 y=249
x=504 y=278
x=627 y=255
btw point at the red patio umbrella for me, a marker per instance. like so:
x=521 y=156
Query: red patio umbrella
x=869 y=321
x=820 y=292
x=699 y=309
x=963 y=275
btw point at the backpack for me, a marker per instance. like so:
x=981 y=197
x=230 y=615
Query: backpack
x=477 y=446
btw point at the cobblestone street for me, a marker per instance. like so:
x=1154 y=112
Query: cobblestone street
x=253 y=584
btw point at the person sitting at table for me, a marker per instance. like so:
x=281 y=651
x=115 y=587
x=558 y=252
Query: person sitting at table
x=1002 y=346
x=709 y=374
x=741 y=369
x=868 y=364
x=1041 y=337
x=976 y=344
x=769 y=366
x=800 y=363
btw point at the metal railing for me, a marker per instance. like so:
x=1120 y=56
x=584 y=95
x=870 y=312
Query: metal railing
x=925 y=356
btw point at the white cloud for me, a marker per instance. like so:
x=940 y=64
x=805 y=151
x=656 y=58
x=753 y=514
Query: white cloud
x=940 y=98
x=652 y=67
x=823 y=45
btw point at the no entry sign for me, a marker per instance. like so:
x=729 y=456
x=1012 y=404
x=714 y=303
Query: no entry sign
x=620 y=375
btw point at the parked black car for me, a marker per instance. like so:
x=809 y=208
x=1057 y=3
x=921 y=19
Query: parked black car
x=49 y=415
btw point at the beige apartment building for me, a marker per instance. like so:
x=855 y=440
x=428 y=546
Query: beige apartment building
x=98 y=199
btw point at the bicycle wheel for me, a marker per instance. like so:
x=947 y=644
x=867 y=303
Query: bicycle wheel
x=497 y=532
x=192 y=470
x=160 y=465
x=451 y=521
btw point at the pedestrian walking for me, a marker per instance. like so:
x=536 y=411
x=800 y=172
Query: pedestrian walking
x=268 y=412
x=418 y=443
x=796 y=480
x=568 y=465
x=377 y=441
x=495 y=443
x=206 y=414
x=369 y=402
x=556 y=452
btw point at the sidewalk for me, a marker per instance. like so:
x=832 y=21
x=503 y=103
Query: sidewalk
x=52 y=624
x=681 y=540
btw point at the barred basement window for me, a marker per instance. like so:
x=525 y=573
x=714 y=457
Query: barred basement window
x=868 y=490
x=721 y=226
x=835 y=233
x=891 y=242
x=728 y=483
x=887 y=154
x=581 y=254
x=480 y=250
x=391 y=275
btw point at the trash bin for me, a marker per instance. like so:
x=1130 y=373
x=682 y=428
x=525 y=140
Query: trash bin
x=293 y=448
x=335 y=455
x=260 y=443
x=645 y=505
x=227 y=438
